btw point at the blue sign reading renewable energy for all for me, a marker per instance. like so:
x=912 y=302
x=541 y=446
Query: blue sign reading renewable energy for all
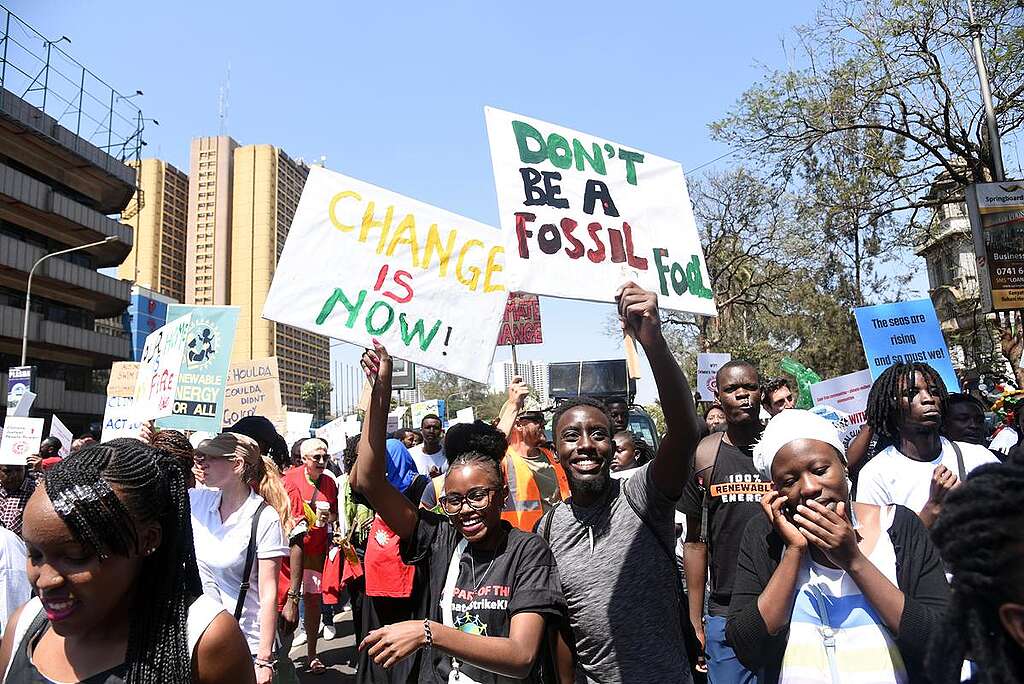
x=905 y=331
x=199 y=400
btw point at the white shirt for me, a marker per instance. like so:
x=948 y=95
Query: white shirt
x=14 y=586
x=424 y=462
x=892 y=478
x=1004 y=440
x=220 y=553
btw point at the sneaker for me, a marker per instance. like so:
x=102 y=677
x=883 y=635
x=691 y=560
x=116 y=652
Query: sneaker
x=300 y=637
x=329 y=632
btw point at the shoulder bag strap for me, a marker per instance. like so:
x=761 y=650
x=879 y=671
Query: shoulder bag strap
x=704 y=517
x=250 y=557
x=961 y=470
x=545 y=531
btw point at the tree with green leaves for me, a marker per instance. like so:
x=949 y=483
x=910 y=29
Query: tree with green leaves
x=316 y=395
x=880 y=100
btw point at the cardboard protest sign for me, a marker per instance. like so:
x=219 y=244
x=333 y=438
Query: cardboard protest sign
x=905 y=331
x=20 y=440
x=59 y=430
x=581 y=215
x=199 y=399
x=708 y=364
x=846 y=393
x=253 y=389
x=361 y=262
x=123 y=375
x=160 y=368
x=521 y=324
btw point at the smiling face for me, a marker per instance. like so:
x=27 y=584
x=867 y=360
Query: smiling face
x=314 y=462
x=482 y=493
x=920 y=406
x=585 y=449
x=805 y=470
x=739 y=393
x=79 y=592
x=625 y=452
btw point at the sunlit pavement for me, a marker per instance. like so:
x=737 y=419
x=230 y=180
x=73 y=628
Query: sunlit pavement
x=335 y=654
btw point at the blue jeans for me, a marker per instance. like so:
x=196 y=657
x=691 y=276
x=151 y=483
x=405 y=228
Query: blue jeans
x=723 y=666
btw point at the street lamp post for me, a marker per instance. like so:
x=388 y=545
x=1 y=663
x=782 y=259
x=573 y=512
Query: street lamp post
x=447 y=400
x=28 y=288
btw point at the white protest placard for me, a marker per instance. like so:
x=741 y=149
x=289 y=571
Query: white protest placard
x=581 y=215
x=160 y=366
x=363 y=263
x=297 y=425
x=848 y=393
x=120 y=419
x=20 y=440
x=24 y=405
x=59 y=430
x=466 y=415
x=708 y=364
x=422 y=409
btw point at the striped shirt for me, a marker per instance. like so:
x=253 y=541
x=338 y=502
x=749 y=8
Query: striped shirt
x=830 y=609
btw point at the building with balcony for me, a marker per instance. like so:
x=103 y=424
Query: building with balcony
x=948 y=251
x=62 y=175
x=208 y=246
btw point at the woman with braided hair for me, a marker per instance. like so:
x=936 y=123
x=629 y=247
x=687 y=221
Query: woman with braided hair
x=981 y=539
x=119 y=596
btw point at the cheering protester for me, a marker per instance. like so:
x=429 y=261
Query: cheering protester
x=981 y=539
x=916 y=466
x=492 y=588
x=239 y=524
x=721 y=497
x=119 y=597
x=613 y=539
x=827 y=590
x=536 y=480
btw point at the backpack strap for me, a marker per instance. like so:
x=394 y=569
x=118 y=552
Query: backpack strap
x=715 y=444
x=545 y=528
x=250 y=557
x=961 y=470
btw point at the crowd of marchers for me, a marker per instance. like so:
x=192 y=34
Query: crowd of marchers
x=752 y=544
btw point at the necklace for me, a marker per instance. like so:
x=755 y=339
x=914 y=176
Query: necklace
x=472 y=568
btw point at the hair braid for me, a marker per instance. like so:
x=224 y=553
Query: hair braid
x=979 y=537
x=102 y=492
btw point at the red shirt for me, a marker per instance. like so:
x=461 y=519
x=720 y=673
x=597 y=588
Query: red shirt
x=300 y=491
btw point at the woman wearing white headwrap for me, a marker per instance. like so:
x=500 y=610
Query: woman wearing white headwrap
x=829 y=591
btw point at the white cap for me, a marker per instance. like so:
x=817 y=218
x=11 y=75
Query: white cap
x=788 y=426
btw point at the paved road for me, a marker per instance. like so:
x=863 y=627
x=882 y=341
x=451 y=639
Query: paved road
x=335 y=654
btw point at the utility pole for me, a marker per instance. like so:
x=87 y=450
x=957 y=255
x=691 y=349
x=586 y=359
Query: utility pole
x=995 y=147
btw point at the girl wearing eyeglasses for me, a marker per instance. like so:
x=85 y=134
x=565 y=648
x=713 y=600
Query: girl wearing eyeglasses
x=493 y=588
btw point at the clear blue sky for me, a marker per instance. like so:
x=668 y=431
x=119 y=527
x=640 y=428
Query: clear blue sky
x=393 y=93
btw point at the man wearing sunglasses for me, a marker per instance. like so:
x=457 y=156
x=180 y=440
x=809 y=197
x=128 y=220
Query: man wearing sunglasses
x=307 y=485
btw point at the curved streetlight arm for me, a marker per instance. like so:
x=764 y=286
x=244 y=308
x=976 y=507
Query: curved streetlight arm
x=447 y=400
x=28 y=288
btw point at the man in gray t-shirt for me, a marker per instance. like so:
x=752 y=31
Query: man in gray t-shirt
x=613 y=540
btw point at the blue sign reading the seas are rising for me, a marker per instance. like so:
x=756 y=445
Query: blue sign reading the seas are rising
x=907 y=332
x=199 y=400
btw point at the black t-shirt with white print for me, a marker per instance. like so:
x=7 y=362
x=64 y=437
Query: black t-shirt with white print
x=519 y=577
x=734 y=489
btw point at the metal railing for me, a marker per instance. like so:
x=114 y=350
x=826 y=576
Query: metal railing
x=36 y=69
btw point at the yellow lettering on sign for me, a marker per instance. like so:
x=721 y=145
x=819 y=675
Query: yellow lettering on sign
x=331 y=210
x=408 y=225
x=493 y=268
x=444 y=252
x=470 y=282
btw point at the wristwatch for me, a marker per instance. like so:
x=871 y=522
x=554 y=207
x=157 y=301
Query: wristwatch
x=294 y=596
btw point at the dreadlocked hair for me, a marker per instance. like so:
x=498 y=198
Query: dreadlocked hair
x=481 y=460
x=979 y=537
x=569 y=404
x=350 y=453
x=101 y=493
x=885 y=409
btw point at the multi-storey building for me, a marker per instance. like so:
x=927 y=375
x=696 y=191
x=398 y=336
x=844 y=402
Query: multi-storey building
x=158 y=216
x=208 y=246
x=59 y=184
x=265 y=194
x=534 y=374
